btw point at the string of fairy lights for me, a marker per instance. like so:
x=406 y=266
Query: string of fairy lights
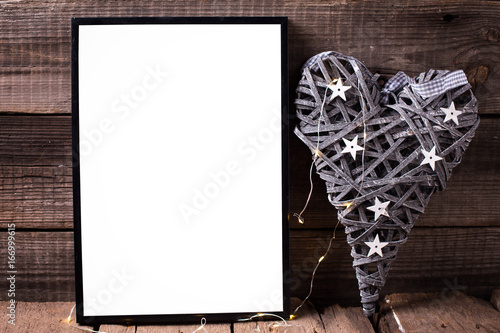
x=69 y=321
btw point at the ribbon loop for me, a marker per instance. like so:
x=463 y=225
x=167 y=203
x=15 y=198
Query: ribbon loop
x=440 y=85
x=393 y=85
x=450 y=80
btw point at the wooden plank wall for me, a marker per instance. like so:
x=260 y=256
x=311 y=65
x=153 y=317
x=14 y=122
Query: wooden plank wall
x=455 y=244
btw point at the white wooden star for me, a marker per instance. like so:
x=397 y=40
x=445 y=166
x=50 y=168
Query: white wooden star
x=338 y=89
x=376 y=246
x=430 y=157
x=379 y=208
x=351 y=146
x=451 y=113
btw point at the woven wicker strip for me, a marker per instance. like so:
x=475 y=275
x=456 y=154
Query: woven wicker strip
x=390 y=166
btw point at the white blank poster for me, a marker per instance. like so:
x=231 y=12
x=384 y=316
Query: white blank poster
x=180 y=168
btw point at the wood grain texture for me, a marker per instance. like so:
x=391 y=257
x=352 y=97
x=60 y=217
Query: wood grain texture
x=433 y=312
x=51 y=316
x=36 y=183
x=212 y=328
x=387 y=36
x=40 y=317
x=345 y=320
x=307 y=321
x=433 y=259
x=495 y=299
x=44 y=264
x=117 y=329
x=477 y=176
x=35 y=172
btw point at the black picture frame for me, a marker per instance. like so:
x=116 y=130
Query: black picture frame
x=109 y=228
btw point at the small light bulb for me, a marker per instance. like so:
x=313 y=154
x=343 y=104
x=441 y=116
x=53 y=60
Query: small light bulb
x=68 y=320
x=321 y=259
x=299 y=218
x=349 y=204
x=292 y=317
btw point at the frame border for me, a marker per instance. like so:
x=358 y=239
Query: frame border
x=176 y=318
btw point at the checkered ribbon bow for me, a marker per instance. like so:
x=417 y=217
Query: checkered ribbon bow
x=393 y=85
x=400 y=80
x=425 y=90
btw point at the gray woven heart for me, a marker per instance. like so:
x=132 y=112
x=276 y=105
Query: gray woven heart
x=381 y=163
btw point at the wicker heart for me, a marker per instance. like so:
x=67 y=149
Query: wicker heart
x=381 y=163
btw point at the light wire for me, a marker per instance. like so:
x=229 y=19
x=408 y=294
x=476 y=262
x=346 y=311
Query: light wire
x=202 y=326
x=68 y=321
x=282 y=323
x=316 y=155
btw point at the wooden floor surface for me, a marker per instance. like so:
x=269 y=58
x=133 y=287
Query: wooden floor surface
x=407 y=313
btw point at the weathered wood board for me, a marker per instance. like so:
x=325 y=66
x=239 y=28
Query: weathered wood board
x=436 y=312
x=307 y=320
x=434 y=259
x=420 y=312
x=387 y=36
x=215 y=328
x=39 y=317
x=35 y=168
x=345 y=320
x=52 y=317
